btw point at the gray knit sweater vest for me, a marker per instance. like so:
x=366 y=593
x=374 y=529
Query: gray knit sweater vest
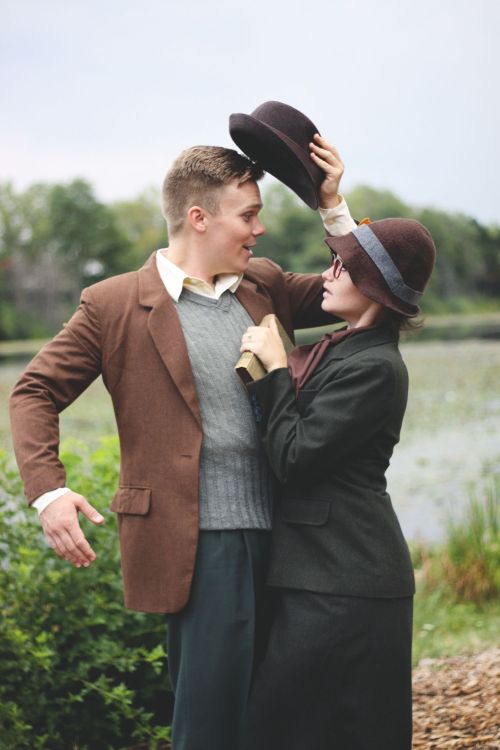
x=235 y=481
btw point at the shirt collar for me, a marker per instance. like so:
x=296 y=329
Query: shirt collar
x=174 y=279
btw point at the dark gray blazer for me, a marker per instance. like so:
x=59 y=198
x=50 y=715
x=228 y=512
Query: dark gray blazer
x=335 y=530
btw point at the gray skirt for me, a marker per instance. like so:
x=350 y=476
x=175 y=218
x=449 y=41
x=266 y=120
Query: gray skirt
x=336 y=675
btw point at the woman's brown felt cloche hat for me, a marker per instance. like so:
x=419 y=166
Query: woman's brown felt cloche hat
x=389 y=261
x=277 y=136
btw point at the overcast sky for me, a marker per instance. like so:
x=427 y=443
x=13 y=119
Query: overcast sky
x=408 y=90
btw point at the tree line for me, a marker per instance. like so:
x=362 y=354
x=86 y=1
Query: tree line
x=56 y=239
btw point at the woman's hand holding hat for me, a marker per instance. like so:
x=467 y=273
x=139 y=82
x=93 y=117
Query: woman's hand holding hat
x=328 y=159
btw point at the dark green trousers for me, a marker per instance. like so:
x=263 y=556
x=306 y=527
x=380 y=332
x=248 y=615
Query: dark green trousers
x=214 y=641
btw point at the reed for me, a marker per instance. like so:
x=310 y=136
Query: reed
x=467 y=566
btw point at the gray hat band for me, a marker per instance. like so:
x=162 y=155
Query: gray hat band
x=379 y=255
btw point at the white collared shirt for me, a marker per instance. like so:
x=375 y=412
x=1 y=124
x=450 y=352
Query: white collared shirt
x=174 y=279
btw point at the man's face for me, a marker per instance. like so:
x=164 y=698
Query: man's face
x=232 y=232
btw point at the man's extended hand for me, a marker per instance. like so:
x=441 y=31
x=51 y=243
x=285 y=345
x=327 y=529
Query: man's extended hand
x=328 y=159
x=60 y=524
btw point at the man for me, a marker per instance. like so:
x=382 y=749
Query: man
x=194 y=501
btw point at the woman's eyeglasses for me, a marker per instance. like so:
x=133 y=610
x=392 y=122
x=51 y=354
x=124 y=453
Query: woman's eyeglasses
x=337 y=266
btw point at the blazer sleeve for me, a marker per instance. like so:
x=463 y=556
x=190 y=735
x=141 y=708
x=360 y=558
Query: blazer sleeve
x=345 y=413
x=58 y=374
x=305 y=293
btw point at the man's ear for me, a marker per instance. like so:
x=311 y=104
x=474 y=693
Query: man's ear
x=197 y=218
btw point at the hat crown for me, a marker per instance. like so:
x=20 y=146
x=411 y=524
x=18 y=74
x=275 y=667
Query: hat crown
x=389 y=261
x=287 y=120
x=278 y=136
x=411 y=248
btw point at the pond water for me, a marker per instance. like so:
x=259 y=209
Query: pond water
x=449 y=445
x=432 y=478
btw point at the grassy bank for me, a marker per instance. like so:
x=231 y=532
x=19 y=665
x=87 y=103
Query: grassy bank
x=446 y=627
x=457 y=607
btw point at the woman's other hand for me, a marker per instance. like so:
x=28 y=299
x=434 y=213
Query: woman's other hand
x=328 y=159
x=266 y=344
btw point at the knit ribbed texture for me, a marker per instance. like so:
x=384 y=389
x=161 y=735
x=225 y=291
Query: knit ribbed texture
x=235 y=481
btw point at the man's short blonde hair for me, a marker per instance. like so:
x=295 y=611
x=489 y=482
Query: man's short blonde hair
x=196 y=178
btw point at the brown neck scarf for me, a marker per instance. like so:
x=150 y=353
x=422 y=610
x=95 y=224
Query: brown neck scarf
x=303 y=360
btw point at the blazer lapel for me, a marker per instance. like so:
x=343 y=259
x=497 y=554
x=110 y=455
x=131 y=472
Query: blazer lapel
x=353 y=344
x=255 y=303
x=166 y=332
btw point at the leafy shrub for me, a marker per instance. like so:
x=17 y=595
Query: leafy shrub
x=77 y=669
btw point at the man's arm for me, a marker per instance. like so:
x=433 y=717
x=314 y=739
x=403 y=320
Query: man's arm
x=62 y=370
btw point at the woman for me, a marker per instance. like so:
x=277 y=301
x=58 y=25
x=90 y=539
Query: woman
x=337 y=671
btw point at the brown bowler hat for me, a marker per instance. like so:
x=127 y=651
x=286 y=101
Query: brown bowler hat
x=277 y=136
x=389 y=261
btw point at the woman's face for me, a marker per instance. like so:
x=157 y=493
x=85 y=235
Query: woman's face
x=343 y=299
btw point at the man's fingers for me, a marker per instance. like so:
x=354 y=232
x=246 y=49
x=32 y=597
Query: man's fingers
x=62 y=548
x=59 y=521
x=89 y=511
x=83 y=546
x=73 y=552
x=77 y=545
x=55 y=545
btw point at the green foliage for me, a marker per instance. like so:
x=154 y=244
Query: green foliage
x=77 y=669
x=84 y=234
x=141 y=221
x=56 y=239
x=365 y=201
x=468 y=566
x=457 y=607
x=443 y=627
x=467 y=272
x=472 y=561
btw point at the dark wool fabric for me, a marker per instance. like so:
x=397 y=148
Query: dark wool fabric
x=336 y=675
x=337 y=671
x=212 y=642
x=334 y=529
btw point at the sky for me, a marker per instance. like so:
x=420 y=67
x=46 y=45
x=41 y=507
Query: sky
x=407 y=90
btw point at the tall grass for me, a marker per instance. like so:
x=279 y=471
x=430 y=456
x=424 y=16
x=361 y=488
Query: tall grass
x=472 y=560
x=467 y=565
x=457 y=607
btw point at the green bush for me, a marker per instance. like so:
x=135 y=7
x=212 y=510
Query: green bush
x=77 y=669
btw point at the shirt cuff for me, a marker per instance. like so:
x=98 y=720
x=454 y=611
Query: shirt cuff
x=338 y=221
x=48 y=497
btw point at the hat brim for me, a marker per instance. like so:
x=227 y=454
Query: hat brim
x=365 y=275
x=278 y=155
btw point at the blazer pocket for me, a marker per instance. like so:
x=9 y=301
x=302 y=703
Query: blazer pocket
x=308 y=512
x=133 y=500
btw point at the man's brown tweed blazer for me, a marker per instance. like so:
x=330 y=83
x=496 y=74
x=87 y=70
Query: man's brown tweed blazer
x=127 y=330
